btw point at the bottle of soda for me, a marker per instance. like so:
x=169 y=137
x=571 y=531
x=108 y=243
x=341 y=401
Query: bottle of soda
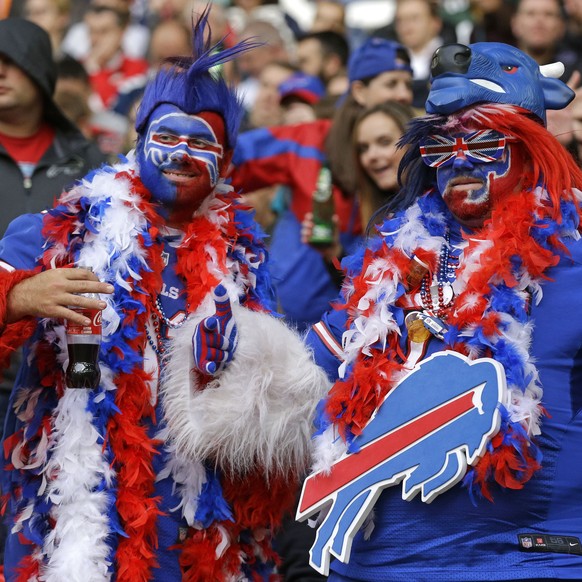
x=323 y=210
x=83 y=342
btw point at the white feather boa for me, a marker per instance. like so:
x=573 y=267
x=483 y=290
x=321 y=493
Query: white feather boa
x=258 y=412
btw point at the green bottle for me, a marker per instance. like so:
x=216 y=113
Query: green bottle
x=323 y=210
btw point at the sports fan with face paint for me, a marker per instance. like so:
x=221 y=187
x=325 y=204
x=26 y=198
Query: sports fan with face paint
x=449 y=448
x=177 y=467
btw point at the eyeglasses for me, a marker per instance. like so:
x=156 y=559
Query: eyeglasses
x=483 y=146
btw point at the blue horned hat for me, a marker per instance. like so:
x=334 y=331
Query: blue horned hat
x=190 y=83
x=493 y=72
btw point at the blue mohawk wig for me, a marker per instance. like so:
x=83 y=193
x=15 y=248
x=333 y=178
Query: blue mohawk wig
x=189 y=83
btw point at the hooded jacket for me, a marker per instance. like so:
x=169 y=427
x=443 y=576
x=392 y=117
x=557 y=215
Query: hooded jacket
x=69 y=157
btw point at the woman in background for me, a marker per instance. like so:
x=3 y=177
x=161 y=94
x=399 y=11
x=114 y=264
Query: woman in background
x=377 y=156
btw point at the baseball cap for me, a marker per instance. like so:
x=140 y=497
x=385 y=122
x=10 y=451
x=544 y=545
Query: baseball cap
x=375 y=56
x=304 y=87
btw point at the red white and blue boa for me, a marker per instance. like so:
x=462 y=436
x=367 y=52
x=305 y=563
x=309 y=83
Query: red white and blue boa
x=502 y=268
x=82 y=479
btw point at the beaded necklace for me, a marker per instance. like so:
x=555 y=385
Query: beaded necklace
x=436 y=294
x=160 y=323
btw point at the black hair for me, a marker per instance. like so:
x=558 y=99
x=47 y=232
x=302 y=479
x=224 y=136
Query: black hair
x=331 y=43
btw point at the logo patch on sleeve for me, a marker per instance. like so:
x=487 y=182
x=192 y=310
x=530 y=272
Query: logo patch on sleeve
x=534 y=542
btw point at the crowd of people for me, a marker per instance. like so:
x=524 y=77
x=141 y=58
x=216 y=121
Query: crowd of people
x=172 y=151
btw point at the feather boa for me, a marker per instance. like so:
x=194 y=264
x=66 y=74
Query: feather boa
x=82 y=482
x=502 y=265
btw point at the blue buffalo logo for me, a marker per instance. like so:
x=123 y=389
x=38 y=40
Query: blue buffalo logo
x=431 y=426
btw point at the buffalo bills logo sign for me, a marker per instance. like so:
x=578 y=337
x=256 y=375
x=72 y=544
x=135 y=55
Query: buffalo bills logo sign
x=431 y=426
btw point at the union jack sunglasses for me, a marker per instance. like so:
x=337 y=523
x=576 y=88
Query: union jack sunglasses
x=483 y=146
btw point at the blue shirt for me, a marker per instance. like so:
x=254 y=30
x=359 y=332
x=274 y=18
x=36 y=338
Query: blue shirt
x=453 y=540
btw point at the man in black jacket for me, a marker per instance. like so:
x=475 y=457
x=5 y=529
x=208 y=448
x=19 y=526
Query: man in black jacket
x=41 y=152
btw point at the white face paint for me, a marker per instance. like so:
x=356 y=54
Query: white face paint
x=181 y=157
x=180 y=139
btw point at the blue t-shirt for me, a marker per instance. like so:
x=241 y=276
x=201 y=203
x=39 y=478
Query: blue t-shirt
x=451 y=539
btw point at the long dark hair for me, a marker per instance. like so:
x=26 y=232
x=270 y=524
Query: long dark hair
x=402 y=115
x=341 y=161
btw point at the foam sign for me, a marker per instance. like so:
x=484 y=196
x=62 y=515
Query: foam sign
x=434 y=424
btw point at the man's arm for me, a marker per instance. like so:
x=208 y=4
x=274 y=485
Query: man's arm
x=52 y=294
x=29 y=293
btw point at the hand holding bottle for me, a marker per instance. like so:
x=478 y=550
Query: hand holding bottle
x=52 y=293
x=330 y=251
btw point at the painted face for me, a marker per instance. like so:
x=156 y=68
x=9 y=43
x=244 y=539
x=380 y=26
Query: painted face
x=181 y=158
x=473 y=171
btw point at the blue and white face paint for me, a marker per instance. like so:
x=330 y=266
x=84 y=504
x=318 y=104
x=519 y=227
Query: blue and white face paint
x=181 y=159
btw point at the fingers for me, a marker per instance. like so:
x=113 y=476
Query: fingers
x=212 y=351
x=51 y=293
x=222 y=304
x=211 y=368
x=82 y=281
x=307 y=228
x=220 y=294
x=574 y=80
x=215 y=338
x=210 y=323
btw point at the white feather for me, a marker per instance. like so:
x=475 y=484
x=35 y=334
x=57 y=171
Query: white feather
x=258 y=411
x=76 y=547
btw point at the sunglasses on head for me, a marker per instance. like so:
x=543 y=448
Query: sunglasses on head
x=483 y=146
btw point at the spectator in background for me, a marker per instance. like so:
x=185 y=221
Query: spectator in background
x=170 y=37
x=379 y=71
x=539 y=28
x=41 y=151
x=290 y=102
x=73 y=94
x=492 y=21
x=241 y=12
x=251 y=63
x=160 y=10
x=377 y=131
x=52 y=15
x=329 y=15
x=418 y=27
x=376 y=134
x=325 y=55
x=573 y=37
x=296 y=156
x=135 y=36
x=267 y=109
x=112 y=73
x=298 y=96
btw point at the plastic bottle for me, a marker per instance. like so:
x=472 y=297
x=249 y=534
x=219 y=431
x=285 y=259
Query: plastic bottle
x=323 y=210
x=83 y=342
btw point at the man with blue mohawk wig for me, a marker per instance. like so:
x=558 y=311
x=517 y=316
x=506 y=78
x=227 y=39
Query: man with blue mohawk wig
x=177 y=466
x=448 y=448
